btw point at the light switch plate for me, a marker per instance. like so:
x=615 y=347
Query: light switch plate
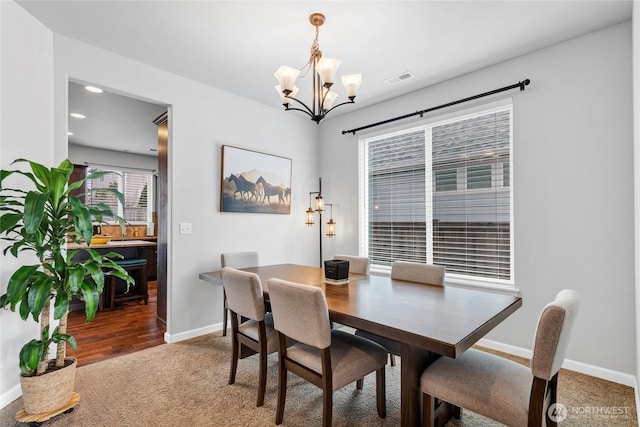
x=185 y=228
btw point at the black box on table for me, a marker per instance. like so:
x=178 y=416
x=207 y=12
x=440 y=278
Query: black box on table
x=336 y=270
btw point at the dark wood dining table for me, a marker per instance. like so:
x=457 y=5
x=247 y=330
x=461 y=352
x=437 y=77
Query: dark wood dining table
x=429 y=321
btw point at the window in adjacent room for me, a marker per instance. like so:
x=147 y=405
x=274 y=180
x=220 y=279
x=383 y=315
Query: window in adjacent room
x=136 y=186
x=441 y=193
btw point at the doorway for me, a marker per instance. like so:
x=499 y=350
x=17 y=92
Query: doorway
x=108 y=130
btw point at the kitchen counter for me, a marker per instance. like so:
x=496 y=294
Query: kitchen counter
x=116 y=244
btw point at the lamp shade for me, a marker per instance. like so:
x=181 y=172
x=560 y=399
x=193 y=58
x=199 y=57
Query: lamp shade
x=326 y=69
x=351 y=83
x=309 y=220
x=329 y=97
x=283 y=97
x=331 y=228
x=287 y=77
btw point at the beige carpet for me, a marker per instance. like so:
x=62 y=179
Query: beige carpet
x=185 y=384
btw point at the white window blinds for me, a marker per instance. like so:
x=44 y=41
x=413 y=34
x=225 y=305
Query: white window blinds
x=396 y=187
x=135 y=186
x=441 y=194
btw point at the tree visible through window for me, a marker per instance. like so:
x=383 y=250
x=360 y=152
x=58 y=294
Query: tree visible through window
x=133 y=185
x=441 y=194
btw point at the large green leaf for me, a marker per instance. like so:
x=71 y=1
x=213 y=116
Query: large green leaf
x=19 y=281
x=75 y=277
x=81 y=219
x=97 y=275
x=8 y=221
x=57 y=187
x=91 y=299
x=34 y=210
x=38 y=295
x=30 y=355
x=41 y=172
x=74 y=185
x=24 y=307
x=60 y=305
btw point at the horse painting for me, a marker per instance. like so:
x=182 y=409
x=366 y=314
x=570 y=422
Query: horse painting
x=243 y=182
x=271 y=190
x=243 y=186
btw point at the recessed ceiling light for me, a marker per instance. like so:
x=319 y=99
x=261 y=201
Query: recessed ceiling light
x=77 y=115
x=93 y=89
x=69 y=133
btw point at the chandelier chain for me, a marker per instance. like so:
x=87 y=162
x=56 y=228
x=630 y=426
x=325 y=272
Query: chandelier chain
x=315 y=55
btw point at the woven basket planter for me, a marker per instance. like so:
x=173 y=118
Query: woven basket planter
x=51 y=391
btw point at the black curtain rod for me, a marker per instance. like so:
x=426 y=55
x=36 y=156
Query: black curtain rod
x=520 y=85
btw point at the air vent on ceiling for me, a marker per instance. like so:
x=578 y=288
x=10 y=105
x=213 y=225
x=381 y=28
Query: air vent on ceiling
x=399 y=78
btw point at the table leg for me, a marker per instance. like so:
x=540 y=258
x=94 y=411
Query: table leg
x=414 y=361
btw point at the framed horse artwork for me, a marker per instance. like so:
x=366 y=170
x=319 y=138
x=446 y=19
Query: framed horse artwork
x=254 y=182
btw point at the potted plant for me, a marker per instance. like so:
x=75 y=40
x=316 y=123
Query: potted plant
x=42 y=220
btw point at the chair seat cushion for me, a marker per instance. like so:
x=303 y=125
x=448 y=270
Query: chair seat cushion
x=392 y=346
x=489 y=385
x=250 y=329
x=352 y=357
x=131 y=262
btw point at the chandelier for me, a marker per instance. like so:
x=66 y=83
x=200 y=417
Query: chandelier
x=323 y=71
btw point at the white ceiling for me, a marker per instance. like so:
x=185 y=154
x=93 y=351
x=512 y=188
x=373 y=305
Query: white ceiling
x=237 y=45
x=113 y=121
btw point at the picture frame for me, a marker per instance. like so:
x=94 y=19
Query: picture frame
x=254 y=182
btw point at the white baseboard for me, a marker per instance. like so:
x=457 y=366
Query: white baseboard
x=173 y=338
x=10 y=395
x=572 y=365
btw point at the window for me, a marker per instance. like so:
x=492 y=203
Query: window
x=441 y=193
x=136 y=188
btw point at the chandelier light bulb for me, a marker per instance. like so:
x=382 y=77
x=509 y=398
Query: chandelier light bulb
x=287 y=77
x=351 y=83
x=326 y=69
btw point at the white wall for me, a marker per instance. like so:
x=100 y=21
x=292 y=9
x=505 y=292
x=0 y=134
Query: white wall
x=573 y=181
x=26 y=124
x=202 y=118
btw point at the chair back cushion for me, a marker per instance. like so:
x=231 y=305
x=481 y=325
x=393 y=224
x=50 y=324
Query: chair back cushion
x=244 y=293
x=300 y=312
x=416 y=272
x=239 y=259
x=552 y=335
x=357 y=264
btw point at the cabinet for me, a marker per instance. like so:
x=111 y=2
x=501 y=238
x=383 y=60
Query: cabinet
x=152 y=263
x=79 y=173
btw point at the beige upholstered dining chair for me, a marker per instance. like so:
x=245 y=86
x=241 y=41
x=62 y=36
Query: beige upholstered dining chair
x=327 y=358
x=235 y=260
x=411 y=272
x=501 y=389
x=357 y=264
x=250 y=326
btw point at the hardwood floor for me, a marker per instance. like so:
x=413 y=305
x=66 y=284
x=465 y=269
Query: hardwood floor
x=128 y=328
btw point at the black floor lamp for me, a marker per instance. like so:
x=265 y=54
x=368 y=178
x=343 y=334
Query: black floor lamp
x=319 y=208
